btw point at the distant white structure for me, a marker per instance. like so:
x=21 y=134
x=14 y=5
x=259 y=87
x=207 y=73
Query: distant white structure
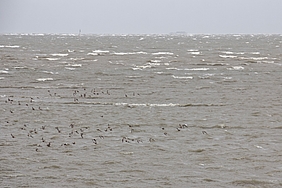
x=178 y=33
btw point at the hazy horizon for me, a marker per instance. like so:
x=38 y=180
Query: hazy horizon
x=141 y=17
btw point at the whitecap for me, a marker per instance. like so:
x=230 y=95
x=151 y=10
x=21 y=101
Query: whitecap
x=155 y=61
x=209 y=74
x=160 y=104
x=21 y=67
x=162 y=53
x=253 y=58
x=229 y=52
x=198 y=69
x=70 y=68
x=255 y=53
x=123 y=53
x=161 y=57
x=259 y=147
x=258 y=58
x=153 y=64
x=2 y=78
x=61 y=55
x=38 y=34
x=163 y=105
x=195 y=53
x=146 y=104
x=94 y=54
x=228 y=56
x=98 y=52
x=3 y=72
x=159 y=72
x=52 y=59
x=147 y=65
x=40 y=55
x=172 y=68
x=76 y=65
x=269 y=62
x=142 y=67
x=101 y=51
x=182 y=77
x=192 y=50
x=133 y=76
x=136 y=68
x=238 y=68
x=9 y=46
x=77 y=59
x=44 y=79
x=206 y=76
x=119 y=53
x=141 y=52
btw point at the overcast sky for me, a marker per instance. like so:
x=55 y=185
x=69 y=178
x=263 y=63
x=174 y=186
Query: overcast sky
x=141 y=16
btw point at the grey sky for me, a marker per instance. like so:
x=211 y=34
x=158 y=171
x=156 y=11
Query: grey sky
x=140 y=16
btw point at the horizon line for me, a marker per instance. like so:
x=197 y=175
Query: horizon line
x=177 y=33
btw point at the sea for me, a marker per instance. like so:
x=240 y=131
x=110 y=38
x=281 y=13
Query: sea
x=174 y=110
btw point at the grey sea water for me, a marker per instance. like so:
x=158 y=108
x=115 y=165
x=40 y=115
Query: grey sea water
x=140 y=111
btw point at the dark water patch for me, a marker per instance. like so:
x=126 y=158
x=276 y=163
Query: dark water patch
x=52 y=167
x=197 y=150
x=254 y=183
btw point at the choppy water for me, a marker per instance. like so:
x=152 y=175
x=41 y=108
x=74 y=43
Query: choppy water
x=141 y=111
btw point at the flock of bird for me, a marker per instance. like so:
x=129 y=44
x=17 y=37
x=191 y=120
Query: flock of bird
x=45 y=135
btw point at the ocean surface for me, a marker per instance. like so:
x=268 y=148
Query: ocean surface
x=140 y=110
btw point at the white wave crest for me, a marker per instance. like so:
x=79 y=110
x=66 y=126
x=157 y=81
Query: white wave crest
x=198 y=69
x=70 y=68
x=52 y=59
x=236 y=68
x=182 y=77
x=60 y=55
x=145 y=104
x=44 y=79
x=195 y=53
x=4 y=72
x=162 y=53
x=228 y=56
x=9 y=46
